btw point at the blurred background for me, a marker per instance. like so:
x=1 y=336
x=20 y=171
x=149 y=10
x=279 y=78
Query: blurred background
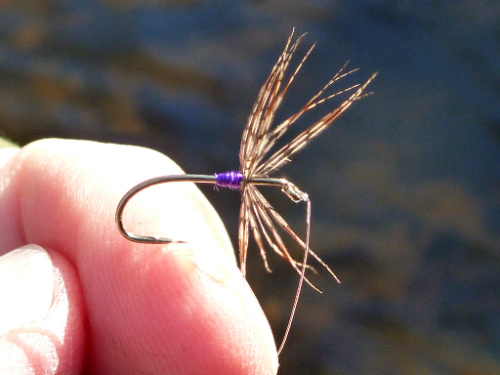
x=405 y=186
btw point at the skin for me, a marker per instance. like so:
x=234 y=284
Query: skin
x=131 y=308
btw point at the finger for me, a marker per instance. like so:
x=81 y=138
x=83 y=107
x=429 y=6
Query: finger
x=178 y=308
x=40 y=298
x=10 y=230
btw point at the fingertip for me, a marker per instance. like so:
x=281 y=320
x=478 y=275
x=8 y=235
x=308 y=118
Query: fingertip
x=243 y=321
x=238 y=308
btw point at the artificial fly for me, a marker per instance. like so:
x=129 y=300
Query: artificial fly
x=257 y=140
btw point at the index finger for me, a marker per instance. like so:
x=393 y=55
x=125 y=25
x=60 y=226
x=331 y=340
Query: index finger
x=182 y=308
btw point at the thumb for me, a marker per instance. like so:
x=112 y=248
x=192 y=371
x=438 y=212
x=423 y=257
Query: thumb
x=41 y=325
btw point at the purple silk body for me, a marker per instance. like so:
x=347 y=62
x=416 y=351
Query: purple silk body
x=231 y=180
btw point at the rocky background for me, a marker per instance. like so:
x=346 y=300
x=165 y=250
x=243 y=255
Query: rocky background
x=405 y=186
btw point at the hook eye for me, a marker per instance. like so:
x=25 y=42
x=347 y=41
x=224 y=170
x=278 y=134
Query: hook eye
x=294 y=193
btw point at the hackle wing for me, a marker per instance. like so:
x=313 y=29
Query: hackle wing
x=257 y=140
x=283 y=155
x=256 y=132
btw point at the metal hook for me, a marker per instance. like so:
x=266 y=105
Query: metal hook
x=232 y=180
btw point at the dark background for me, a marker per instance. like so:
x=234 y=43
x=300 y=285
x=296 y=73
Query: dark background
x=405 y=186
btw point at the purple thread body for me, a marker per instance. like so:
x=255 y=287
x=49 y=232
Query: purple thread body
x=231 y=179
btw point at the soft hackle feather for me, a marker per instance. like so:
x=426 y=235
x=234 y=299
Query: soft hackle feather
x=259 y=137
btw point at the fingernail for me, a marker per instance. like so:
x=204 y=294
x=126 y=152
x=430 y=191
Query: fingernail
x=26 y=286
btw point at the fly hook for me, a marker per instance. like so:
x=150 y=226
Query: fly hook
x=232 y=180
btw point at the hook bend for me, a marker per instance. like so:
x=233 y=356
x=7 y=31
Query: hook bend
x=144 y=185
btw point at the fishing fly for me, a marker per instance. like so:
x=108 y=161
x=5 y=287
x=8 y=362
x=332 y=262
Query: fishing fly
x=256 y=213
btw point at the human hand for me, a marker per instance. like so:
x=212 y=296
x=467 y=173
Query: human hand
x=85 y=298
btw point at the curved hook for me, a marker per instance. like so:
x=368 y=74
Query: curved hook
x=143 y=185
x=219 y=179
